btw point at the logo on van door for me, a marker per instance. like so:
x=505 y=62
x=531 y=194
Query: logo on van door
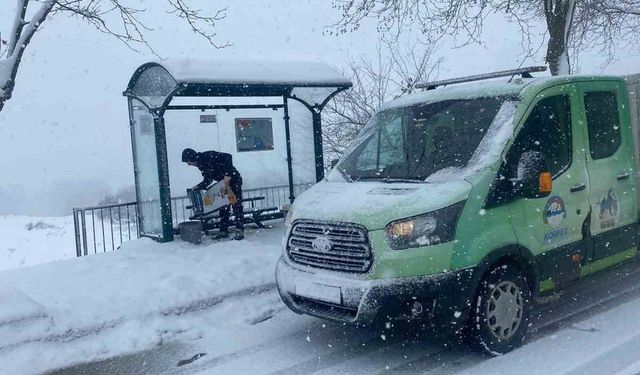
x=608 y=211
x=554 y=212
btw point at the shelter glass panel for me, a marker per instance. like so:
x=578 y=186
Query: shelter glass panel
x=146 y=169
x=154 y=85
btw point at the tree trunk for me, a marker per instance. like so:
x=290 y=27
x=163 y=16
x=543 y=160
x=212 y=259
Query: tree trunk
x=557 y=57
x=559 y=17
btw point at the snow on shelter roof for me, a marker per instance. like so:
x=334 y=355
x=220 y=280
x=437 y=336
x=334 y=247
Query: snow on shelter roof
x=158 y=81
x=287 y=73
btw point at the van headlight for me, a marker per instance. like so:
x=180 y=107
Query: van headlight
x=423 y=230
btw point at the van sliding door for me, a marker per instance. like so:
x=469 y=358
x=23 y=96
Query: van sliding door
x=610 y=164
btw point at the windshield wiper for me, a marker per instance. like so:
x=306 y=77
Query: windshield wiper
x=407 y=180
x=389 y=180
x=345 y=174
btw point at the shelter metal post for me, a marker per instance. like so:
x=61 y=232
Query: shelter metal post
x=288 y=140
x=163 y=178
x=317 y=144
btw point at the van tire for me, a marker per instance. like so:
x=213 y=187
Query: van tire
x=497 y=325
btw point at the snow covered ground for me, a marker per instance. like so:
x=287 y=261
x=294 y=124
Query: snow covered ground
x=27 y=240
x=129 y=300
x=213 y=309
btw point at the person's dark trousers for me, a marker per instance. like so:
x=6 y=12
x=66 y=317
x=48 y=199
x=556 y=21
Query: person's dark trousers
x=236 y=187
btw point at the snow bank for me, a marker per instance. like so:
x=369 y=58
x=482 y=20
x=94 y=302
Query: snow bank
x=15 y=306
x=128 y=296
x=21 y=318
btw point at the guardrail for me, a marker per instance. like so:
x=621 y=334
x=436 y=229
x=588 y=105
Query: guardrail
x=105 y=228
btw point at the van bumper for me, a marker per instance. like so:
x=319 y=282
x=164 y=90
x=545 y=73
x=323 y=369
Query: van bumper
x=443 y=299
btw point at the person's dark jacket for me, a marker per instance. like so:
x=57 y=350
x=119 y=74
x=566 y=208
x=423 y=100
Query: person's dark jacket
x=214 y=167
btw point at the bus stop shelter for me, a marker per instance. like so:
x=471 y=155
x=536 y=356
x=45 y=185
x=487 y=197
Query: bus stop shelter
x=154 y=85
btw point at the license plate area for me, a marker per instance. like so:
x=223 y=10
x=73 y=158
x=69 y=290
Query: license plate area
x=319 y=292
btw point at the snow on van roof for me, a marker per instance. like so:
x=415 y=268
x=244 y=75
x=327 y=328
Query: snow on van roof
x=294 y=73
x=481 y=89
x=492 y=88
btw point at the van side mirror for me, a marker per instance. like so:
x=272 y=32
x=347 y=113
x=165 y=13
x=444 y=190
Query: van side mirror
x=334 y=162
x=533 y=179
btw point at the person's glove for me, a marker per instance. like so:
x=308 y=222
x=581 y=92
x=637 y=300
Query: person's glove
x=232 y=197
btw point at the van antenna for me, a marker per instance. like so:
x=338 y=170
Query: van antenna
x=519 y=66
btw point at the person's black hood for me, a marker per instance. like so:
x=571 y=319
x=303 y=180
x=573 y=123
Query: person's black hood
x=189 y=155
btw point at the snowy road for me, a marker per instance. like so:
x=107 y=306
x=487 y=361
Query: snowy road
x=579 y=335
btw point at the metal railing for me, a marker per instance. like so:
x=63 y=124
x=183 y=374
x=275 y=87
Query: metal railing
x=105 y=228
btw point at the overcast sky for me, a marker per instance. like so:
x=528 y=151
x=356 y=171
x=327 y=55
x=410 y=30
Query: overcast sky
x=64 y=136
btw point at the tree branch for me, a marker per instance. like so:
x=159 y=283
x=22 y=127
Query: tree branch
x=394 y=72
x=112 y=17
x=18 y=25
x=13 y=60
x=194 y=18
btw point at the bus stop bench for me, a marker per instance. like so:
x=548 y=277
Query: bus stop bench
x=252 y=215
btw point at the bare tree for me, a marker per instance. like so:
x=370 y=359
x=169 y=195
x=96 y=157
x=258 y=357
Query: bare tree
x=571 y=24
x=394 y=71
x=112 y=17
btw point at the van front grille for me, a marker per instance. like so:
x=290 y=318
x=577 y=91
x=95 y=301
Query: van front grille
x=336 y=246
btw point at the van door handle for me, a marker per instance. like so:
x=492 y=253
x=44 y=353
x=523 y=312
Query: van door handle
x=623 y=176
x=578 y=187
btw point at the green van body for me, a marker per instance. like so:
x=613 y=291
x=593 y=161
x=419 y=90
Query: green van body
x=588 y=222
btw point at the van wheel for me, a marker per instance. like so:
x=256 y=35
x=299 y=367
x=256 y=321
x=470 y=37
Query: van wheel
x=500 y=317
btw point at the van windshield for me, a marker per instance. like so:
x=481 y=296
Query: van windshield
x=412 y=143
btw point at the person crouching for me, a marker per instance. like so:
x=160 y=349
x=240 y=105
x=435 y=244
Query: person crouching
x=218 y=166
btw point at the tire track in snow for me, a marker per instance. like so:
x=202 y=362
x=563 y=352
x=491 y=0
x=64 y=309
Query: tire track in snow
x=383 y=359
x=278 y=345
x=326 y=343
x=626 y=355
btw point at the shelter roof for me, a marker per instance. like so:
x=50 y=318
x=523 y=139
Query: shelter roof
x=156 y=83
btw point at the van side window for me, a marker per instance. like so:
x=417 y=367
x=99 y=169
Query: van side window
x=548 y=130
x=603 y=123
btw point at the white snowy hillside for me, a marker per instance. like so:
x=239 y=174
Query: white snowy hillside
x=28 y=240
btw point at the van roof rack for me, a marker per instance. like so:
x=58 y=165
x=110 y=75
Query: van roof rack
x=525 y=72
